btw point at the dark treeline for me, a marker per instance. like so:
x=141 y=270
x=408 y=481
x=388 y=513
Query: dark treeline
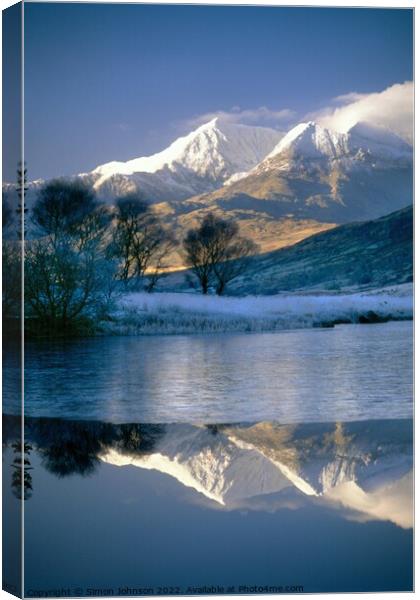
x=80 y=253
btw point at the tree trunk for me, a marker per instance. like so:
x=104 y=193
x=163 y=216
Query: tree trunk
x=220 y=288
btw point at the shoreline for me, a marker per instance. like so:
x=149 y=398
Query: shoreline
x=143 y=314
x=190 y=314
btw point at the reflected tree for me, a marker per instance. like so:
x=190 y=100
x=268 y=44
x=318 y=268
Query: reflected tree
x=74 y=448
x=21 y=476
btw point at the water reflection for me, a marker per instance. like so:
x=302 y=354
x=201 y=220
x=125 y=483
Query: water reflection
x=21 y=470
x=362 y=468
x=324 y=506
x=221 y=378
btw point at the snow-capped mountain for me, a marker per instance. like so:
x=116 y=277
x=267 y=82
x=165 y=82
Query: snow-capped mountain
x=226 y=158
x=363 y=144
x=379 y=142
x=319 y=174
x=309 y=140
x=280 y=188
x=366 y=467
x=198 y=162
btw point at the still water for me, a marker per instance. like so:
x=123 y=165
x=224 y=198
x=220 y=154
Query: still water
x=183 y=509
x=350 y=372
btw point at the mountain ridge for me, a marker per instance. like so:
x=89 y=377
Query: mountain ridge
x=200 y=161
x=330 y=177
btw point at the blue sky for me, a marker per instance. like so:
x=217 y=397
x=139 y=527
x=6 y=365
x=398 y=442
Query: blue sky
x=113 y=82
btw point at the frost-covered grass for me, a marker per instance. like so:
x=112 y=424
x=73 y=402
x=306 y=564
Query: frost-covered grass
x=172 y=313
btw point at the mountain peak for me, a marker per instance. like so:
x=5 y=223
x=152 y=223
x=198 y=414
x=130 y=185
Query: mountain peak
x=310 y=140
x=212 y=124
x=199 y=161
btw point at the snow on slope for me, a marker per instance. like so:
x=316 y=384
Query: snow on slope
x=310 y=141
x=214 y=152
x=378 y=141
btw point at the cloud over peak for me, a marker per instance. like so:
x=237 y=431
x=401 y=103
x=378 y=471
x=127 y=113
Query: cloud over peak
x=392 y=108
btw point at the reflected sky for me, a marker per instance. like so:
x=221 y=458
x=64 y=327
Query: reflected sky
x=325 y=506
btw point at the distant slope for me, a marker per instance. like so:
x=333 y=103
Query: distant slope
x=369 y=254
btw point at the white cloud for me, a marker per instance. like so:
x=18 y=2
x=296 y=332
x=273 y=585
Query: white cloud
x=250 y=116
x=347 y=98
x=392 y=108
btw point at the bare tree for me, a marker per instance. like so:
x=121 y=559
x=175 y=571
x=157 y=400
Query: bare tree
x=140 y=242
x=61 y=283
x=11 y=278
x=12 y=262
x=66 y=268
x=63 y=207
x=12 y=246
x=217 y=253
x=198 y=247
x=234 y=258
x=156 y=270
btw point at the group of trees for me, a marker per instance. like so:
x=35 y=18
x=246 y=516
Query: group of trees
x=66 y=256
x=79 y=252
x=83 y=250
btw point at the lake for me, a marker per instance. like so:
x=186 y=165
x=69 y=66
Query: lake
x=349 y=372
x=232 y=463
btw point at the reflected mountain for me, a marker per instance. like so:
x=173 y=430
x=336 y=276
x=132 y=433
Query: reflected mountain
x=363 y=468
